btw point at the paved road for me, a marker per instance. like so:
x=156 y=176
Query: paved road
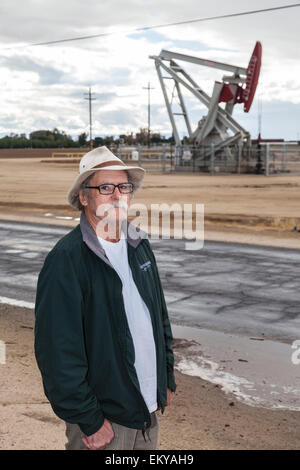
x=225 y=287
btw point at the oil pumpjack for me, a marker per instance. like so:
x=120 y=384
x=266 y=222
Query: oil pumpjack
x=218 y=127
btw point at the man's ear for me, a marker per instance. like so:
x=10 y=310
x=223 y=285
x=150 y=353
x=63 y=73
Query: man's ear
x=82 y=198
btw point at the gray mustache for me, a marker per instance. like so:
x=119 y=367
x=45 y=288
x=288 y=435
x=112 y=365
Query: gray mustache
x=102 y=208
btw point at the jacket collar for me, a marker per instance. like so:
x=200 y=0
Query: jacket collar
x=91 y=239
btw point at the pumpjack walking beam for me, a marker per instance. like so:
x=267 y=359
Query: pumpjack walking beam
x=236 y=88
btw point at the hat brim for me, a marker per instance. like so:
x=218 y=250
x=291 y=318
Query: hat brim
x=136 y=175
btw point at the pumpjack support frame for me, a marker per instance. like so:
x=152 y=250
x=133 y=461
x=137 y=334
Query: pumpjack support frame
x=218 y=127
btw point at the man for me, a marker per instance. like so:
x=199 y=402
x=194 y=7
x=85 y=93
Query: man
x=102 y=333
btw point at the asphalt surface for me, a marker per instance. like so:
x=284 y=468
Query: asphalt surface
x=224 y=287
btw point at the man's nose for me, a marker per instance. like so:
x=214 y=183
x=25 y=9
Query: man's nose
x=116 y=194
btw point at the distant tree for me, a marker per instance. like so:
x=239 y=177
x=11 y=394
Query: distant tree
x=45 y=138
x=82 y=139
x=171 y=139
x=142 y=137
x=155 y=138
x=57 y=135
x=109 y=140
x=14 y=141
x=98 y=142
x=40 y=135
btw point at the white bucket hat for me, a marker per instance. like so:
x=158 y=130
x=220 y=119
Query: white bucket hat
x=102 y=158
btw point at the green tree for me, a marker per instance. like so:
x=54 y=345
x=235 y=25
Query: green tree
x=97 y=142
x=82 y=139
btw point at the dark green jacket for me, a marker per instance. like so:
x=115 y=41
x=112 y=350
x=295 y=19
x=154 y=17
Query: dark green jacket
x=83 y=344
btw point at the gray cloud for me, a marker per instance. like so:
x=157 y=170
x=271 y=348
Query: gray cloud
x=115 y=76
x=33 y=21
x=61 y=95
x=47 y=75
x=119 y=116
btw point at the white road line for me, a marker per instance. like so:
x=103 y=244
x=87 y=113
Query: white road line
x=27 y=245
x=16 y=303
x=34 y=228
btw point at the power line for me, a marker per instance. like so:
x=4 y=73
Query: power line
x=231 y=15
x=165 y=25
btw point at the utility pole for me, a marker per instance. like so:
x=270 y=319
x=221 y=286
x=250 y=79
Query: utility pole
x=90 y=98
x=148 y=88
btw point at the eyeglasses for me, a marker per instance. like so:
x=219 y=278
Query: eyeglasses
x=105 y=189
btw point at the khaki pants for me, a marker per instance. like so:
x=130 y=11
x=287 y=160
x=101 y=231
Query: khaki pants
x=124 y=439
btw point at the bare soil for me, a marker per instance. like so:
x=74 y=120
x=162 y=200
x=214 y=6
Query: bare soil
x=201 y=416
x=246 y=208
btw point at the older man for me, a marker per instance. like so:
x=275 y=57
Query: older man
x=102 y=334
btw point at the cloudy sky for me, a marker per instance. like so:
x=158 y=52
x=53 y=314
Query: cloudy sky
x=42 y=87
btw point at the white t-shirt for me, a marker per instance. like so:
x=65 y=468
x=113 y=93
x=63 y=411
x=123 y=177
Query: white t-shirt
x=139 y=322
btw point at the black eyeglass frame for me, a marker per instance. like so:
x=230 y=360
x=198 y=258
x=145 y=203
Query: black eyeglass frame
x=114 y=185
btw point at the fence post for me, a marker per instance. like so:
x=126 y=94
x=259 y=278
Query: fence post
x=267 y=159
x=163 y=159
x=283 y=157
x=239 y=157
x=139 y=155
x=212 y=159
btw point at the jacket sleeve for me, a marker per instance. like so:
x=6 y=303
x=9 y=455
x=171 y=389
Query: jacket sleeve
x=168 y=341
x=167 y=331
x=60 y=346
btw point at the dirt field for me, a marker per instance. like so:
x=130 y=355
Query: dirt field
x=250 y=208
x=35 y=153
x=201 y=416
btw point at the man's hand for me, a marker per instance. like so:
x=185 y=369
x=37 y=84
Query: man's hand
x=101 y=438
x=169 y=397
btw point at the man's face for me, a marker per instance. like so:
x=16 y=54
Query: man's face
x=113 y=207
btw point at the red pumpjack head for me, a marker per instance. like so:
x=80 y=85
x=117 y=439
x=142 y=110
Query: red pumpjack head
x=253 y=70
x=246 y=95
